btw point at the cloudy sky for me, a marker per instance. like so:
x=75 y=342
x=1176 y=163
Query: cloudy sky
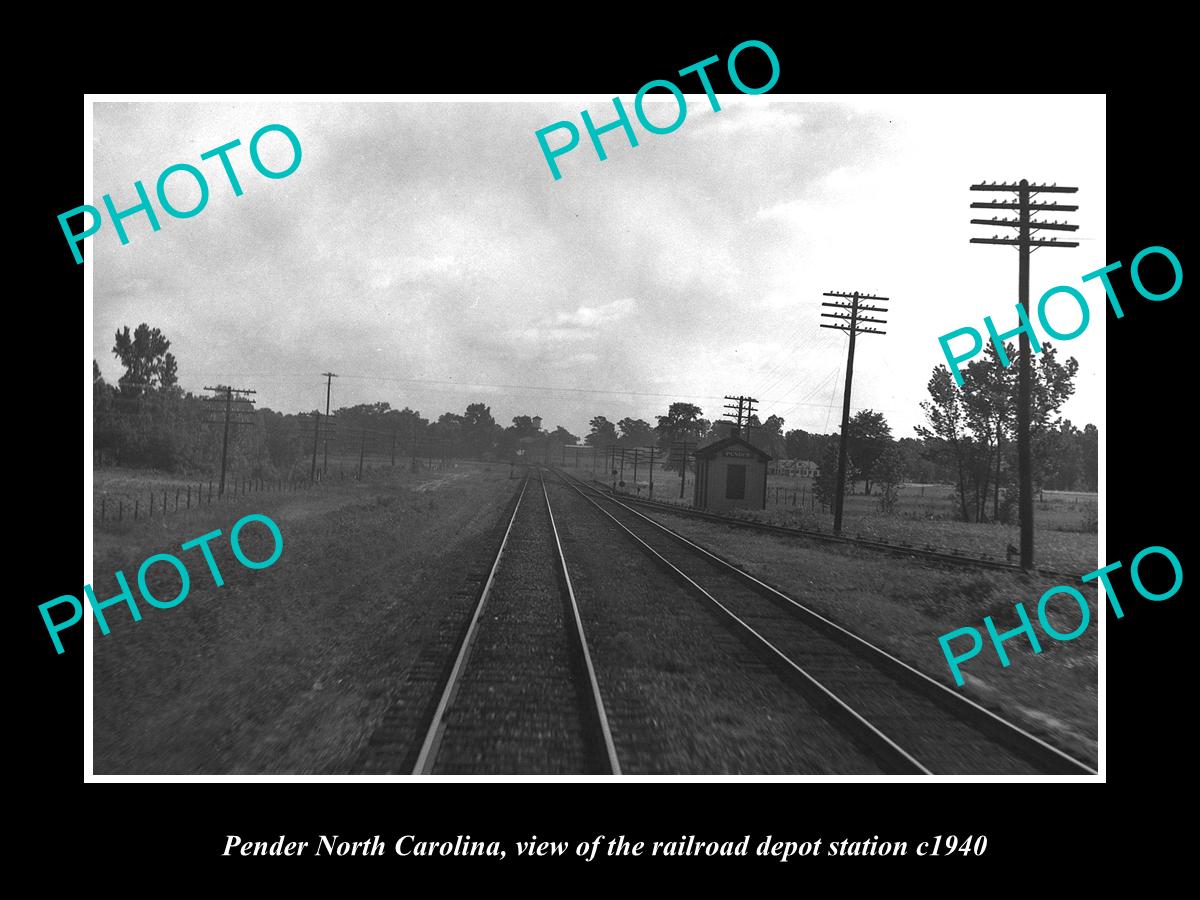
x=424 y=252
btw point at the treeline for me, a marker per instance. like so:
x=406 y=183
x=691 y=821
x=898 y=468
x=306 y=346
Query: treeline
x=969 y=439
x=172 y=431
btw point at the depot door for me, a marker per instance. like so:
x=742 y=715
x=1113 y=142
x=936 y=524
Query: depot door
x=735 y=482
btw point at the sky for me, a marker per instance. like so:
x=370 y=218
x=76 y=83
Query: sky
x=424 y=252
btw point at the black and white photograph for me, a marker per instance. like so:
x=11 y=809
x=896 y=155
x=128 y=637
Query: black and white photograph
x=537 y=437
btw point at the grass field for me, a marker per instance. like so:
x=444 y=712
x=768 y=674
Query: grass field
x=925 y=517
x=290 y=668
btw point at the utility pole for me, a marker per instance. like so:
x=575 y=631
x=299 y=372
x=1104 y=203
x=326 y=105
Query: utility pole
x=741 y=414
x=329 y=376
x=1025 y=243
x=850 y=316
x=636 y=454
x=394 y=429
x=651 y=471
x=362 y=452
x=229 y=412
x=683 y=455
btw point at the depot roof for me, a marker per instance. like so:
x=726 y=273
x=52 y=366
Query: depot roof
x=713 y=450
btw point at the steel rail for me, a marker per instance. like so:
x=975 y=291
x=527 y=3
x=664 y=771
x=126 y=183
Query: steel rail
x=1011 y=735
x=580 y=642
x=437 y=727
x=881 y=742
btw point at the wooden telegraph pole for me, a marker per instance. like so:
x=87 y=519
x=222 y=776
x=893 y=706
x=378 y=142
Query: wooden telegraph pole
x=850 y=315
x=741 y=413
x=329 y=376
x=1025 y=244
x=229 y=419
x=683 y=455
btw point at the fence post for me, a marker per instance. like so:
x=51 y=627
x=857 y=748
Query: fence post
x=177 y=499
x=189 y=500
x=210 y=492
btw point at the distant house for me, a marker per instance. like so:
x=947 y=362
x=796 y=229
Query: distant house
x=794 y=468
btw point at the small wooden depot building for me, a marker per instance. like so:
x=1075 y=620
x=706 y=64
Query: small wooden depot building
x=731 y=474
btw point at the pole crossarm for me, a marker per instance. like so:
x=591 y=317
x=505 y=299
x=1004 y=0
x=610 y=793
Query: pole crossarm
x=856 y=330
x=1033 y=188
x=853 y=296
x=860 y=307
x=1016 y=223
x=1032 y=242
x=1032 y=207
x=855 y=318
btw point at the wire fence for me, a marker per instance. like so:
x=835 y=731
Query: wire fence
x=148 y=503
x=120 y=504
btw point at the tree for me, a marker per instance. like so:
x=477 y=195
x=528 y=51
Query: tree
x=1089 y=456
x=916 y=466
x=825 y=482
x=479 y=429
x=889 y=471
x=769 y=436
x=990 y=392
x=869 y=436
x=971 y=428
x=946 y=436
x=560 y=435
x=148 y=365
x=603 y=433
x=799 y=444
x=635 y=432
x=681 y=423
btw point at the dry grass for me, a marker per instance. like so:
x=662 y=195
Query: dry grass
x=924 y=518
x=287 y=669
x=904 y=607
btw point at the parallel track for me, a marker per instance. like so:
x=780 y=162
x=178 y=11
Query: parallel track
x=911 y=723
x=522 y=695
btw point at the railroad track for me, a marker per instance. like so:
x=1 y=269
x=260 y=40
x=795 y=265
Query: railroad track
x=522 y=694
x=907 y=721
x=940 y=556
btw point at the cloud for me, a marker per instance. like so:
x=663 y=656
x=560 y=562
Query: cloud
x=428 y=241
x=605 y=314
